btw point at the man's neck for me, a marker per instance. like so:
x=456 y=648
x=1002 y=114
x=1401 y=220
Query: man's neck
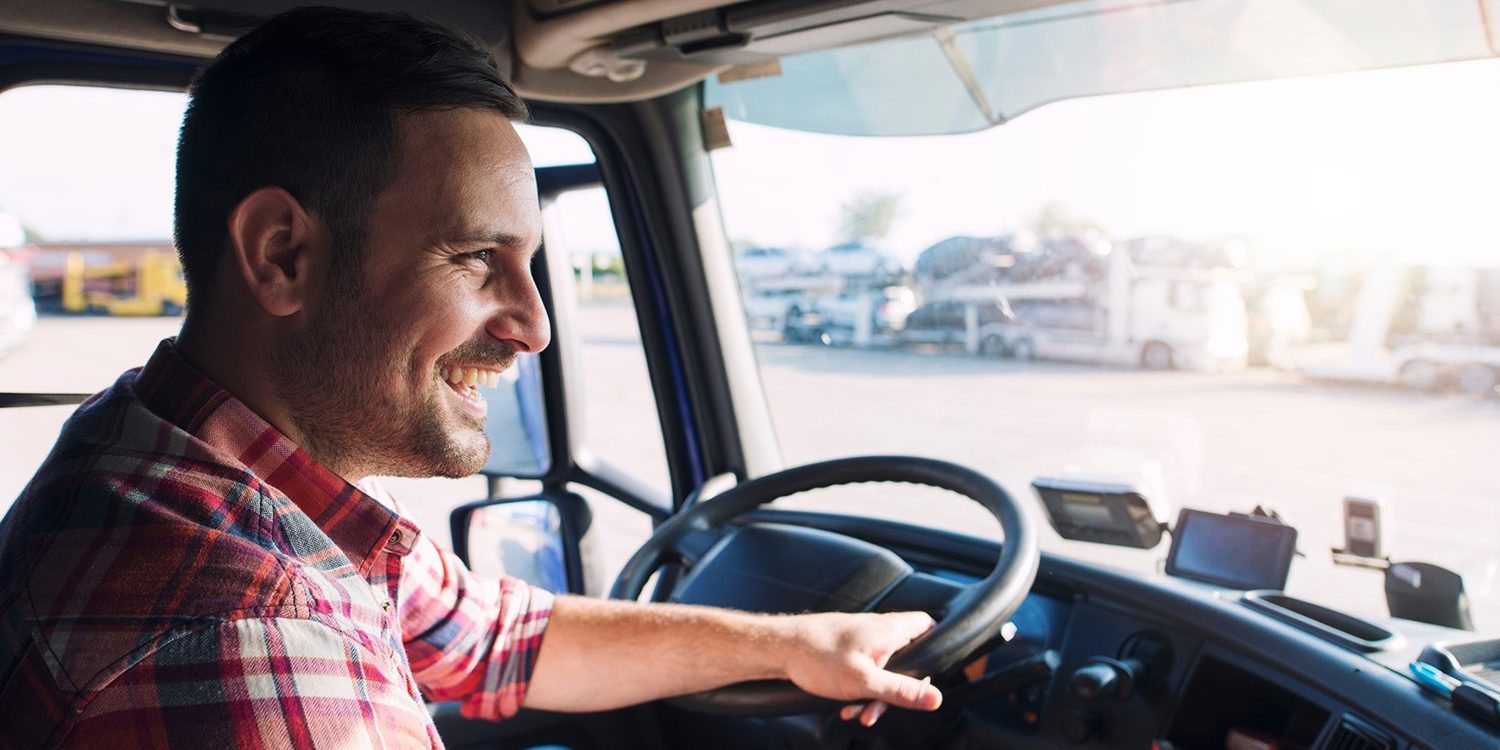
x=237 y=362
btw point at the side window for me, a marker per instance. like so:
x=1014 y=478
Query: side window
x=86 y=253
x=89 y=283
x=619 y=425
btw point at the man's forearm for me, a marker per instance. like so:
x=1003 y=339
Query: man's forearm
x=598 y=654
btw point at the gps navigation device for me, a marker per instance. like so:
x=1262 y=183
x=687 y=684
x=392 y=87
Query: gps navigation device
x=1240 y=552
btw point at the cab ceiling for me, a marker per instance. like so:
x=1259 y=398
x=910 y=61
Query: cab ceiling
x=555 y=50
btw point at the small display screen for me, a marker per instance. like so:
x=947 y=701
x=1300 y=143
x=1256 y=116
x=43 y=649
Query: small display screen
x=1235 y=551
x=1100 y=512
x=1089 y=510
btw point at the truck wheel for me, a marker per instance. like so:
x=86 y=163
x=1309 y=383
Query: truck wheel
x=1023 y=350
x=1156 y=356
x=1477 y=380
x=992 y=346
x=1420 y=375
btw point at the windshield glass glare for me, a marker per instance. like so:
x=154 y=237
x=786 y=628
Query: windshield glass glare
x=1276 y=294
x=964 y=77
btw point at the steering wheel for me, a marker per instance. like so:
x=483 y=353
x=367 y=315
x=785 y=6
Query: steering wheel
x=823 y=571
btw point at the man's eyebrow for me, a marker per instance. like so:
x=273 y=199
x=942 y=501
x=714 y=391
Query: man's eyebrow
x=502 y=239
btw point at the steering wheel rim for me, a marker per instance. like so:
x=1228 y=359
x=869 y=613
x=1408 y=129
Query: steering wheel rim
x=974 y=617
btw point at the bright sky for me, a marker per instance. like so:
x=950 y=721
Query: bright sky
x=1402 y=161
x=1399 y=161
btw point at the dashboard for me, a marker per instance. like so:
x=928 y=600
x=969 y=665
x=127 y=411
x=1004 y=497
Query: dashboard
x=1207 y=670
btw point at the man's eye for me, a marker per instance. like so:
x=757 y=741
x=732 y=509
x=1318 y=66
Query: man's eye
x=478 y=256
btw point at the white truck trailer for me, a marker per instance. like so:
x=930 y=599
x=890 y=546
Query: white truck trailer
x=1156 y=317
x=1425 y=328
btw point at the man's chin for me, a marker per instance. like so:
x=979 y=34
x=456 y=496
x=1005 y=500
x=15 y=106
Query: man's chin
x=451 y=453
x=464 y=457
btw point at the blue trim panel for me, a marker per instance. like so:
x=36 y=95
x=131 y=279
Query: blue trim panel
x=673 y=348
x=13 y=53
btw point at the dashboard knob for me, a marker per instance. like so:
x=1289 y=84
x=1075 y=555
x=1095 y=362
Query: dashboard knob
x=1103 y=677
x=1093 y=680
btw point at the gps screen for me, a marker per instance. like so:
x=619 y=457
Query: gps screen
x=1235 y=551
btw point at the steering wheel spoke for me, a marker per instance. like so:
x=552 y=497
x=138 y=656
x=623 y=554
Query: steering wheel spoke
x=921 y=592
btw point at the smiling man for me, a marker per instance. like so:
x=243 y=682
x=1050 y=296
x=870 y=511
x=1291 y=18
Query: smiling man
x=200 y=562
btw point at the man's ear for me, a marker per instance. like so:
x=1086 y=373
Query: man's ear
x=271 y=238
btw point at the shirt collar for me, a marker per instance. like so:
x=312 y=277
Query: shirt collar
x=359 y=524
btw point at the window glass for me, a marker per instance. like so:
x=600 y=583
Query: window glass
x=86 y=188
x=1274 y=294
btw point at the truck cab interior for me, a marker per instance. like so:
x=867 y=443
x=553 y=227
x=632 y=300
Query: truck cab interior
x=1117 y=557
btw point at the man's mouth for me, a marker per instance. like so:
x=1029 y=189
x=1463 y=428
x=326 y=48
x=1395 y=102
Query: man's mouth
x=466 y=382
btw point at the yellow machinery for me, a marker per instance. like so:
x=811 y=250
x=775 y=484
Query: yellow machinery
x=150 y=285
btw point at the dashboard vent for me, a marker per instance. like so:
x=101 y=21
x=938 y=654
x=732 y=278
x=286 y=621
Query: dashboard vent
x=1352 y=735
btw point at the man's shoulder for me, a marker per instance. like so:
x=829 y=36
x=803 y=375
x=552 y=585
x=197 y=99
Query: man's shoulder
x=95 y=571
x=130 y=531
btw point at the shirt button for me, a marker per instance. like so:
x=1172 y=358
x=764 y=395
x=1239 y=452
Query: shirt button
x=396 y=537
x=386 y=605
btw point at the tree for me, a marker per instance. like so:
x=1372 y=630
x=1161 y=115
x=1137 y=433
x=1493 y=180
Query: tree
x=868 y=215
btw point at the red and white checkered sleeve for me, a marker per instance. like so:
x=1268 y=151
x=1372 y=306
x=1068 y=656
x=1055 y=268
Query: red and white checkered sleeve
x=265 y=683
x=468 y=638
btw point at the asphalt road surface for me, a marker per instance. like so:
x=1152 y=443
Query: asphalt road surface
x=1220 y=442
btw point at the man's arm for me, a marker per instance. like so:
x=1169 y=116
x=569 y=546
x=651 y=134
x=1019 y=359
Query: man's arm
x=499 y=646
x=650 y=651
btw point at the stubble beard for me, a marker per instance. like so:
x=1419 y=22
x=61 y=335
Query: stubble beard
x=329 y=378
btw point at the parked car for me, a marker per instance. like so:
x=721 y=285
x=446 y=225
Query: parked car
x=854 y=315
x=773 y=302
x=947 y=322
x=858 y=259
x=755 y=263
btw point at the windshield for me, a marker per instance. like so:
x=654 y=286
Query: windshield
x=1280 y=294
x=961 y=77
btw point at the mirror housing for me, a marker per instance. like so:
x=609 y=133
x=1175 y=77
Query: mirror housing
x=534 y=538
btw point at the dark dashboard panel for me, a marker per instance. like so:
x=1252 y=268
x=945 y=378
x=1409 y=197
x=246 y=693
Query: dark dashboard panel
x=1231 y=666
x=1115 y=718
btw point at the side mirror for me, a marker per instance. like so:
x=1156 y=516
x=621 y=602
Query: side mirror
x=535 y=539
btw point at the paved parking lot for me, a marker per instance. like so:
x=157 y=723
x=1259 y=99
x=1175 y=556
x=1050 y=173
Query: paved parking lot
x=1223 y=442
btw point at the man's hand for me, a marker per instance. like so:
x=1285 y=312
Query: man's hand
x=843 y=657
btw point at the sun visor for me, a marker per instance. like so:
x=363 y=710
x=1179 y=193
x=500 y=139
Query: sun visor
x=931 y=76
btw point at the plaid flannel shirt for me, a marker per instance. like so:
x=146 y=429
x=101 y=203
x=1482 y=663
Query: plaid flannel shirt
x=180 y=574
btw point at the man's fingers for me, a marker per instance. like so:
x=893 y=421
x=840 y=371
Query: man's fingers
x=871 y=713
x=911 y=624
x=903 y=691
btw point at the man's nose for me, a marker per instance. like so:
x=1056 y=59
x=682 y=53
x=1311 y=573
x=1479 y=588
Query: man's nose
x=521 y=321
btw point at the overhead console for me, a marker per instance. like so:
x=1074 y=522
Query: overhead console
x=596 y=50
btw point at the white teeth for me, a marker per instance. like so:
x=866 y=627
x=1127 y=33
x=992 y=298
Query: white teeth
x=480 y=377
x=471 y=376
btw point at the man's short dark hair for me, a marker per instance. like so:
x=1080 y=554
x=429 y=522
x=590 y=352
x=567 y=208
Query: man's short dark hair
x=310 y=101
